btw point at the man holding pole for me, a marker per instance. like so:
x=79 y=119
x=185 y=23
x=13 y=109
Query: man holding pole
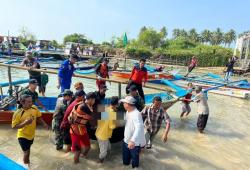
x=138 y=78
x=65 y=73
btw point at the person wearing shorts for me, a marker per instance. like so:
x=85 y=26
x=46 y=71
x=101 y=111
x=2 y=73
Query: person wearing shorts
x=24 y=119
x=78 y=118
x=185 y=105
x=192 y=65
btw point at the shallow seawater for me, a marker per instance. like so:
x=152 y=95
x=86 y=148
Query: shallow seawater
x=224 y=144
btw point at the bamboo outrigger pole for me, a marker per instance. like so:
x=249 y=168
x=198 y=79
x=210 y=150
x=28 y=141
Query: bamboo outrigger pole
x=9 y=66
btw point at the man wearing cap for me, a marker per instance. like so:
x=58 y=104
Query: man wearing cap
x=138 y=77
x=203 y=110
x=134 y=137
x=153 y=116
x=139 y=104
x=102 y=71
x=31 y=90
x=31 y=62
x=65 y=125
x=65 y=73
x=61 y=105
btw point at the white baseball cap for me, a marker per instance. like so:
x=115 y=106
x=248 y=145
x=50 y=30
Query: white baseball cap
x=129 y=100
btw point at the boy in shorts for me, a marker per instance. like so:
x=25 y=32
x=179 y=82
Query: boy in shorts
x=185 y=105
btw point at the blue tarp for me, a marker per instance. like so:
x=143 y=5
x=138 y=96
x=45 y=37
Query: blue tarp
x=8 y=164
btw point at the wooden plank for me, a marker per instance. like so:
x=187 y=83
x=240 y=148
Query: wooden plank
x=80 y=76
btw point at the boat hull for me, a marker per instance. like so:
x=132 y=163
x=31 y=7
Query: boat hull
x=226 y=91
x=6 y=117
x=151 y=76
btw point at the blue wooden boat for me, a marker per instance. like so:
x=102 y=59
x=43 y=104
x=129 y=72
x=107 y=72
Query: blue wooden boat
x=8 y=164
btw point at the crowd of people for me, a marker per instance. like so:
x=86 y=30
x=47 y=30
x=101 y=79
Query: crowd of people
x=78 y=116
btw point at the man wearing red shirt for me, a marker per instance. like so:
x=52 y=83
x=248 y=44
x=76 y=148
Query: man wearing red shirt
x=138 y=78
x=102 y=71
x=192 y=65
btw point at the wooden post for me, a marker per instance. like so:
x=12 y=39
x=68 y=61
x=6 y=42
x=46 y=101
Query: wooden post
x=125 y=64
x=119 y=90
x=1 y=91
x=10 y=81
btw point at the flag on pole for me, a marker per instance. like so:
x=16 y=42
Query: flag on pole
x=125 y=40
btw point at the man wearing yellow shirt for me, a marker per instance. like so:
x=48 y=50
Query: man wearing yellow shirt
x=24 y=119
x=105 y=129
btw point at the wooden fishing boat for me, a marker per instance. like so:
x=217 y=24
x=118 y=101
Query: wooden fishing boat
x=151 y=76
x=236 y=92
x=50 y=102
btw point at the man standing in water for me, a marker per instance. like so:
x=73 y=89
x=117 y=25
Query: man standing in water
x=139 y=103
x=134 y=137
x=31 y=62
x=203 y=109
x=24 y=119
x=78 y=119
x=61 y=105
x=32 y=92
x=185 y=105
x=192 y=65
x=138 y=77
x=65 y=73
x=102 y=71
x=153 y=116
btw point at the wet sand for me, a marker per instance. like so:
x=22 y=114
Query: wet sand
x=224 y=145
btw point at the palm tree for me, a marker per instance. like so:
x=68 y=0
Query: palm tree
x=206 y=36
x=143 y=29
x=176 y=33
x=232 y=36
x=164 y=32
x=217 y=37
x=193 y=35
x=183 y=33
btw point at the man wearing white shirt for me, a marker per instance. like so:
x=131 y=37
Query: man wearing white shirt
x=134 y=137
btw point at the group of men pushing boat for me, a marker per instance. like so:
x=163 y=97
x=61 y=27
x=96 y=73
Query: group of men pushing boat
x=78 y=116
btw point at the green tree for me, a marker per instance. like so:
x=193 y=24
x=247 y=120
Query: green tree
x=217 y=37
x=164 y=32
x=176 y=33
x=77 y=38
x=229 y=37
x=144 y=28
x=55 y=44
x=193 y=35
x=149 y=38
x=183 y=34
x=206 y=36
x=25 y=36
